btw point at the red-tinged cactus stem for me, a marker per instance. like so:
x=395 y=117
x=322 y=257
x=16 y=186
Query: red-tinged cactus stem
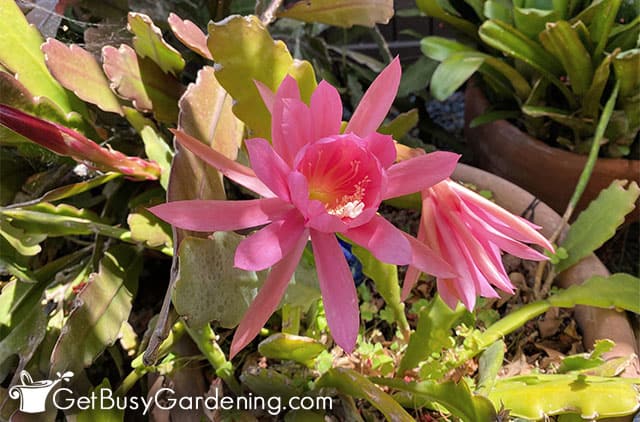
x=68 y=142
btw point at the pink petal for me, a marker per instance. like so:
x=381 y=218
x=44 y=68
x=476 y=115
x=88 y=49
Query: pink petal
x=491 y=268
x=471 y=274
x=288 y=89
x=272 y=243
x=314 y=211
x=516 y=223
x=268 y=96
x=233 y=170
x=211 y=216
x=507 y=244
x=448 y=292
x=376 y=102
x=383 y=147
x=463 y=286
x=269 y=166
x=338 y=290
x=419 y=173
x=413 y=274
x=326 y=111
x=428 y=261
x=267 y=299
x=296 y=126
x=383 y=240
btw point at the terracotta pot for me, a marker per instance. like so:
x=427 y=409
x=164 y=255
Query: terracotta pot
x=595 y=323
x=549 y=173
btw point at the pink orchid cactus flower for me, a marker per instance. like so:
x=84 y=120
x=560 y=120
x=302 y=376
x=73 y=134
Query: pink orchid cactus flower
x=315 y=182
x=469 y=231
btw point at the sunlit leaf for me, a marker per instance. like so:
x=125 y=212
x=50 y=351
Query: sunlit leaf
x=452 y=73
x=245 y=52
x=209 y=287
x=20 y=54
x=343 y=13
x=79 y=71
x=205 y=114
x=190 y=35
x=538 y=396
x=148 y=229
x=61 y=220
x=101 y=308
x=616 y=291
x=143 y=82
x=456 y=398
x=289 y=347
x=148 y=42
x=155 y=146
x=435 y=324
x=349 y=382
x=599 y=221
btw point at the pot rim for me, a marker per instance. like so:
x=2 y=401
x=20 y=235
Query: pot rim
x=565 y=155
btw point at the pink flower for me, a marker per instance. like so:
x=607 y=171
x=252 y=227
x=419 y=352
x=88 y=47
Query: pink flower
x=469 y=232
x=315 y=182
x=68 y=142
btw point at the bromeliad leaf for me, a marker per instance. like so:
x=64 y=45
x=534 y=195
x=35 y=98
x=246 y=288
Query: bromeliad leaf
x=101 y=308
x=78 y=71
x=343 y=13
x=148 y=42
x=599 y=221
x=452 y=73
x=435 y=10
x=242 y=46
x=209 y=287
x=190 y=35
x=561 y=40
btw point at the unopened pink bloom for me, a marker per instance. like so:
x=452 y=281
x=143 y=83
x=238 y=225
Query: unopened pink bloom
x=315 y=182
x=68 y=142
x=469 y=232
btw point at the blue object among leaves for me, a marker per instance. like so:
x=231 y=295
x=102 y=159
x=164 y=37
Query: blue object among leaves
x=354 y=264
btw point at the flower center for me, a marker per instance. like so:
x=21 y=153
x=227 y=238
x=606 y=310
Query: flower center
x=341 y=175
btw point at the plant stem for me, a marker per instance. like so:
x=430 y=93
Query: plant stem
x=269 y=13
x=205 y=339
x=541 y=291
x=382 y=44
x=140 y=369
x=160 y=332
